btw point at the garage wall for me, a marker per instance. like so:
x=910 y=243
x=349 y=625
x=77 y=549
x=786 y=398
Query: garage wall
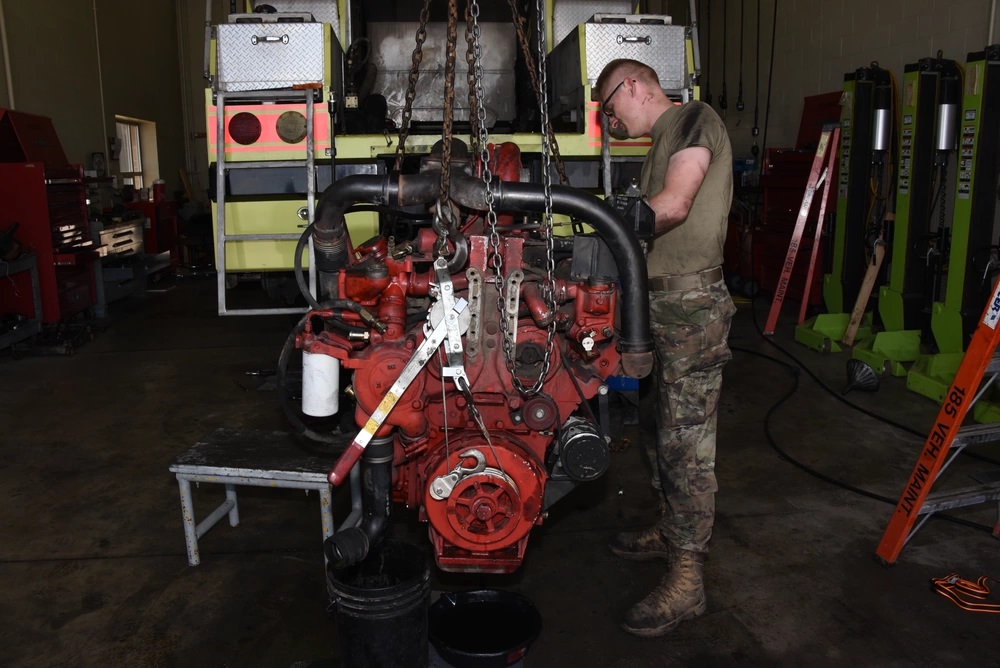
x=81 y=63
x=818 y=42
x=53 y=53
x=141 y=75
x=191 y=34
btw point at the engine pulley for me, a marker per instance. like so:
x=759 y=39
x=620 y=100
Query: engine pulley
x=484 y=507
x=491 y=509
x=540 y=413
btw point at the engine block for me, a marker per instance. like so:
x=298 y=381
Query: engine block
x=480 y=456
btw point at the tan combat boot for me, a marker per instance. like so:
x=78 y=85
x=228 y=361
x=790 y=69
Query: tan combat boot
x=679 y=596
x=643 y=545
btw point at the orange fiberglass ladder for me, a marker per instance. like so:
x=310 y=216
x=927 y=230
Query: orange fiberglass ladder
x=829 y=138
x=947 y=439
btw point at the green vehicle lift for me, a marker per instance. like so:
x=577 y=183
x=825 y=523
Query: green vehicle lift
x=954 y=319
x=930 y=94
x=857 y=127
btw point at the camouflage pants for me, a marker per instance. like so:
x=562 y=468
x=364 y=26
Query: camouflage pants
x=690 y=329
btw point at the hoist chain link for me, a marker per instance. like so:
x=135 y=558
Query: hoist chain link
x=411 y=86
x=548 y=229
x=470 y=59
x=529 y=60
x=444 y=221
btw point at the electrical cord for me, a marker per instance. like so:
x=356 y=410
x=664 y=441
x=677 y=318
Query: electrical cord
x=755 y=130
x=794 y=371
x=723 y=103
x=739 y=94
x=708 y=52
x=770 y=76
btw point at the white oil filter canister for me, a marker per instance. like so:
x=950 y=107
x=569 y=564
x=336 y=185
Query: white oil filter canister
x=320 y=384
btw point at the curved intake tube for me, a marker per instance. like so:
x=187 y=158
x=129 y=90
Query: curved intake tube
x=330 y=235
x=350 y=546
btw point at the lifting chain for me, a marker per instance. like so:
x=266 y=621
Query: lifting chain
x=533 y=71
x=507 y=342
x=444 y=219
x=548 y=229
x=483 y=140
x=449 y=101
x=470 y=58
x=411 y=87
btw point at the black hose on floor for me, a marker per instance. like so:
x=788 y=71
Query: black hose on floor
x=772 y=441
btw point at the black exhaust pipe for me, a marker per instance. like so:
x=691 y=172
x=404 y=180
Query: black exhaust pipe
x=330 y=234
x=350 y=546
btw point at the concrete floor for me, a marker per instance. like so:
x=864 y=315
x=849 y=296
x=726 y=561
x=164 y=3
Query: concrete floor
x=93 y=572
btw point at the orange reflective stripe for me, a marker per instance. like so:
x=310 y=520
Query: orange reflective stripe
x=268 y=117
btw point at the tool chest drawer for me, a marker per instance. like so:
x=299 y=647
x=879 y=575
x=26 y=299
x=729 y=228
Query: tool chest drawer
x=123 y=239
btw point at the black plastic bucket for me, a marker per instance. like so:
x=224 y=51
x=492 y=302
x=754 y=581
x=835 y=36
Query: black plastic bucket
x=381 y=608
x=486 y=628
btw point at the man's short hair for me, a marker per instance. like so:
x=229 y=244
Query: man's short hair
x=621 y=68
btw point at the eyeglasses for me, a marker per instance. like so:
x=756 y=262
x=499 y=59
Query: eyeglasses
x=604 y=105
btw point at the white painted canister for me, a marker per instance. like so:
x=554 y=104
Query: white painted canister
x=320 y=384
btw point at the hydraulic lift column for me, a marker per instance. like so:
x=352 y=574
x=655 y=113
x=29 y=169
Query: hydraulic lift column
x=929 y=103
x=969 y=272
x=864 y=112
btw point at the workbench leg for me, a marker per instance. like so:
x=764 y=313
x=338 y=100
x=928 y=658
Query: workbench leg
x=326 y=511
x=326 y=514
x=234 y=514
x=187 y=516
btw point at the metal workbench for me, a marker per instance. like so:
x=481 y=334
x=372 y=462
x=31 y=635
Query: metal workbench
x=232 y=457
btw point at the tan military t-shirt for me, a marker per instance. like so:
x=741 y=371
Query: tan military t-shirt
x=696 y=244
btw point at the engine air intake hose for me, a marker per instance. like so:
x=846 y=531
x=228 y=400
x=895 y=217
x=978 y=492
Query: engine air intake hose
x=350 y=546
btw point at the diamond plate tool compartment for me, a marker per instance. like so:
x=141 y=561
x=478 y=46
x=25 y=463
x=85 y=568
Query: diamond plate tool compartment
x=260 y=56
x=578 y=60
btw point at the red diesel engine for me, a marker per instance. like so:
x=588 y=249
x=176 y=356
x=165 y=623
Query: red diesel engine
x=469 y=368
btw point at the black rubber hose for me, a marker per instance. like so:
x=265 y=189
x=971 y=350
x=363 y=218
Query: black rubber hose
x=386 y=190
x=607 y=222
x=300 y=279
x=350 y=546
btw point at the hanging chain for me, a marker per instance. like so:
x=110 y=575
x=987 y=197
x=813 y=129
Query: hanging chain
x=470 y=58
x=449 y=101
x=533 y=71
x=444 y=220
x=496 y=257
x=548 y=229
x=411 y=87
x=483 y=138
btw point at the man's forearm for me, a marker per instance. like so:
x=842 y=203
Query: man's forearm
x=670 y=211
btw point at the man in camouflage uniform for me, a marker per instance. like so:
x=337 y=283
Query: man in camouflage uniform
x=687 y=179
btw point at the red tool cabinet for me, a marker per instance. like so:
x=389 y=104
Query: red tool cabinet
x=50 y=207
